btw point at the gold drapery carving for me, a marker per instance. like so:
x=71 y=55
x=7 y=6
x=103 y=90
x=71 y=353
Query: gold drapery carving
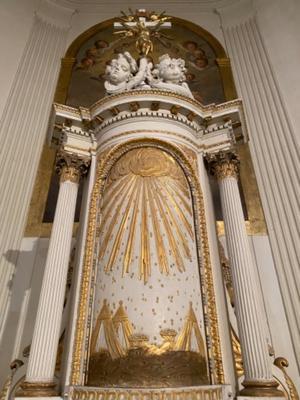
x=140 y=363
x=212 y=332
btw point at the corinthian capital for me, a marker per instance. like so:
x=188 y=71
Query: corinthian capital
x=71 y=167
x=223 y=165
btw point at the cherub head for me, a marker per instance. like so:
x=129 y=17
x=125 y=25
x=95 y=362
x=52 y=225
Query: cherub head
x=121 y=69
x=170 y=70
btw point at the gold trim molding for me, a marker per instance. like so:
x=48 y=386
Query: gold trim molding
x=37 y=389
x=261 y=389
x=195 y=393
x=84 y=313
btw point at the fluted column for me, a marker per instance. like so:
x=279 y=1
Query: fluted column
x=257 y=363
x=274 y=147
x=41 y=366
x=23 y=131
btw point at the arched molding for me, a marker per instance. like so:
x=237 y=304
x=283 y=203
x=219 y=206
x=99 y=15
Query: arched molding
x=83 y=325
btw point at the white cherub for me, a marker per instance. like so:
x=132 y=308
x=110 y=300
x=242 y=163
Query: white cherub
x=169 y=74
x=123 y=73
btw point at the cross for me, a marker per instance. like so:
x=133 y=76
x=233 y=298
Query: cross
x=142 y=26
x=142 y=19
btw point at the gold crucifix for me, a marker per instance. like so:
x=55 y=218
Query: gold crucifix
x=143 y=26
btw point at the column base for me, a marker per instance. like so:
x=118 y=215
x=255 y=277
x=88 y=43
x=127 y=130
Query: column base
x=260 y=389
x=37 y=389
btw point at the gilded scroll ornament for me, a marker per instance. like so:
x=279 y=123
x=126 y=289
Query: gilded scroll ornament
x=282 y=363
x=237 y=353
x=5 y=391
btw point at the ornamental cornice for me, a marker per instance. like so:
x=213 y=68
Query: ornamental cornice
x=109 y=102
x=201 y=120
x=198 y=131
x=164 y=96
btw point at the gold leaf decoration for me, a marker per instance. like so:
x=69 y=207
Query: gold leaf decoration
x=146 y=192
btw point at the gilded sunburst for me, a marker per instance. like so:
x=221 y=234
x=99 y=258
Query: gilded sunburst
x=146 y=196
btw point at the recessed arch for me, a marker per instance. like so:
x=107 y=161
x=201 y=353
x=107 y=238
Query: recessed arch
x=105 y=165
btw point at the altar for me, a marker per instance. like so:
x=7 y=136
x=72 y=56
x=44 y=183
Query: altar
x=148 y=317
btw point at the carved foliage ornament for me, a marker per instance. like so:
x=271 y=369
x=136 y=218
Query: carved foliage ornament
x=223 y=165
x=71 y=167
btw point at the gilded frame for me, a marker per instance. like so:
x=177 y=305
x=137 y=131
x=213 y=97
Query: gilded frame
x=83 y=323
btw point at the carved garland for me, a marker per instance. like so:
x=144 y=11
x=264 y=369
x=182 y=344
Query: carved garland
x=84 y=316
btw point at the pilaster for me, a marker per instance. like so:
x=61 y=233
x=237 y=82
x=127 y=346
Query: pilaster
x=273 y=145
x=23 y=131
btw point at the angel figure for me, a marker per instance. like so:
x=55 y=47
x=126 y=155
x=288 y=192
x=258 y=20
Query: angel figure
x=124 y=74
x=169 y=74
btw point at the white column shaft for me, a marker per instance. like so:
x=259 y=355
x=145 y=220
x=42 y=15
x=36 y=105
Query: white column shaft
x=22 y=134
x=248 y=306
x=275 y=154
x=41 y=365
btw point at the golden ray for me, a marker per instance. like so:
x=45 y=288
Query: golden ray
x=182 y=186
x=145 y=270
x=160 y=248
x=179 y=195
x=116 y=190
x=173 y=221
x=172 y=242
x=117 y=242
x=115 y=200
x=146 y=184
x=179 y=212
x=112 y=224
x=132 y=229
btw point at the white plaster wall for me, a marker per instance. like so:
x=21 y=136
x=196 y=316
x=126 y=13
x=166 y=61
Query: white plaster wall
x=192 y=11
